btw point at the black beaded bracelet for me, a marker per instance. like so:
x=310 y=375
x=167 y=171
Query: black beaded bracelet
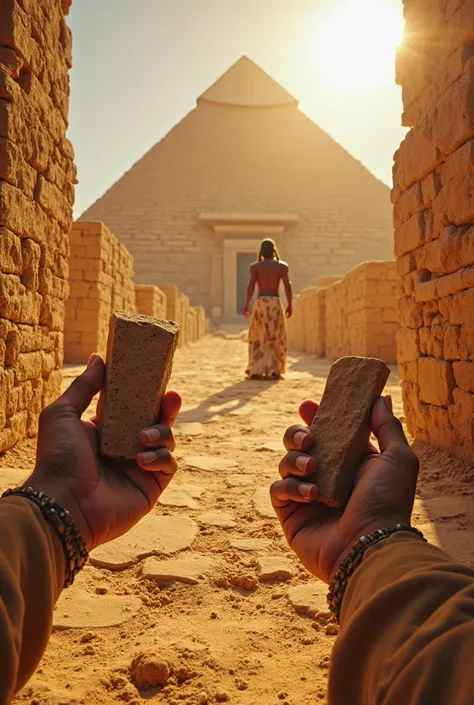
x=74 y=547
x=354 y=559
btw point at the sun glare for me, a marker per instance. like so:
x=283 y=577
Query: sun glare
x=354 y=49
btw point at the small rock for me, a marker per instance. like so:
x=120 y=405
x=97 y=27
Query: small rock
x=193 y=428
x=309 y=597
x=271 y=447
x=274 y=568
x=225 y=521
x=150 y=671
x=176 y=496
x=221 y=697
x=332 y=630
x=101 y=590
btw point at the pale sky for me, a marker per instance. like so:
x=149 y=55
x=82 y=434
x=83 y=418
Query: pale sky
x=139 y=67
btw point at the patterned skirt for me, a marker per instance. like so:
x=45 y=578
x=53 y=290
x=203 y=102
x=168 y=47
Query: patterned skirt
x=267 y=338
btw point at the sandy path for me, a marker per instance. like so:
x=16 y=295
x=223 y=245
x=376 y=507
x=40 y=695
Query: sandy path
x=228 y=637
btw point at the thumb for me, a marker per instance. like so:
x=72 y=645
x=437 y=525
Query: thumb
x=386 y=427
x=85 y=387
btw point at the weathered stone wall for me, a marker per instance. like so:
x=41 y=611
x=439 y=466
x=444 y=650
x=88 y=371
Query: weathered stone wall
x=37 y=177
x=101 y=281
x=356 y=315
x=433 y=218
x=150 y=300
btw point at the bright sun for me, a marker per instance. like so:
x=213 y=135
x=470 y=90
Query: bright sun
x=355 y=47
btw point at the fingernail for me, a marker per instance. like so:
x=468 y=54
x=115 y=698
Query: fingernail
x=305 y=490
x=149 y=456
x=389 y=403
x=152 y=435
x=91 y=359
x=298 y=438
x=302 y=462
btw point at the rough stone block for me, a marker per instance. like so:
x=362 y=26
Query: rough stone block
x=140 y=353
x=436 y=380
x=342 y=424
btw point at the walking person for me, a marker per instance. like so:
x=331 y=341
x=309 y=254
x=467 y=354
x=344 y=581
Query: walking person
x=267 y=334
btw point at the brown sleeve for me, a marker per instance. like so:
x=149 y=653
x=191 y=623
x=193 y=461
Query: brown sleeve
x=32 y=568
x=407 y=629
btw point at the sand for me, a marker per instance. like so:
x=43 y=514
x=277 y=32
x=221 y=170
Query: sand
x=222 y=633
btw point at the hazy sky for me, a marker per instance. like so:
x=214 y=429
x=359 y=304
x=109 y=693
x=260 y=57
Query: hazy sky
x=139 y=67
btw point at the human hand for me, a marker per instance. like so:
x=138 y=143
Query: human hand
x=105 y=498
x=289 y=311
x=383 y=495
x=246 y=311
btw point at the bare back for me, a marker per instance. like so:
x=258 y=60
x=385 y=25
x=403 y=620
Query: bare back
x=268 y=275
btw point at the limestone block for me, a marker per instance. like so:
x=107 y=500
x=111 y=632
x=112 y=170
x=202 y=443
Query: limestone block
x=140 y=353
x=342 y=425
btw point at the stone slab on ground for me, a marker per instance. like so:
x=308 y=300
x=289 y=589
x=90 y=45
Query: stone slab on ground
x=209 y=463
x=153 y=535
x=271 y=446
x=190 y=570
x=238 y=481
x=262 y=503
x=225 y=521
x=79 y=610
x=274 y=568
x=181 y=496
x=309 y=598
x=250 y=544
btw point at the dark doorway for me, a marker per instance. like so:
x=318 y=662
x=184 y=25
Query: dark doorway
x=244 y=260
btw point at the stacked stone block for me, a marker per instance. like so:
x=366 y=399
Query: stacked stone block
x=433 y=218
x=37 y=177
x=355 y=315
x=101 y=281
x=150 y=300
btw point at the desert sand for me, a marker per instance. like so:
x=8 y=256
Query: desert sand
x=203 y=602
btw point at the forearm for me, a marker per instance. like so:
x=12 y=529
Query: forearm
x=403 y=610
x=32 y=569
x=248 y=297
x=289 y=294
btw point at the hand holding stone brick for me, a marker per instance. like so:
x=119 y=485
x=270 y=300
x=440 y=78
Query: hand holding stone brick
x=342 y=425
x=139 y=362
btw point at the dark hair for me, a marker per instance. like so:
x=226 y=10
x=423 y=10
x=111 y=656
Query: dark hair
x=268 y=250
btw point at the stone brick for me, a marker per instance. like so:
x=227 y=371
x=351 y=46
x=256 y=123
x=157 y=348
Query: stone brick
x=139 y=361
x=408 y=345
x=342 y=425
x=436 y=380
x=464 y=375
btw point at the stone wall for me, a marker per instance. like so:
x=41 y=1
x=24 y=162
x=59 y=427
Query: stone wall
x=433 y=217
x=101 y=281
x=37 y=177
x=150 y=300
x=356 y=315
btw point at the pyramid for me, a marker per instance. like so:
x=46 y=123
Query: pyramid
x=244 y=164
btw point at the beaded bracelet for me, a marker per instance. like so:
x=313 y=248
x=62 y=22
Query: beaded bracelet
x=354 y=559
x=74 y=547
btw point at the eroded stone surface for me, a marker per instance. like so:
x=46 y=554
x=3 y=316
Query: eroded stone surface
x=78 y=609
x=209 y=463
x=181 y=496
x=342 y=425
x=262 y=503
x=309 y=598
x=152 y=535
x=274 y=568
x=225 y=521
x=190 y=569
x=193 y=428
